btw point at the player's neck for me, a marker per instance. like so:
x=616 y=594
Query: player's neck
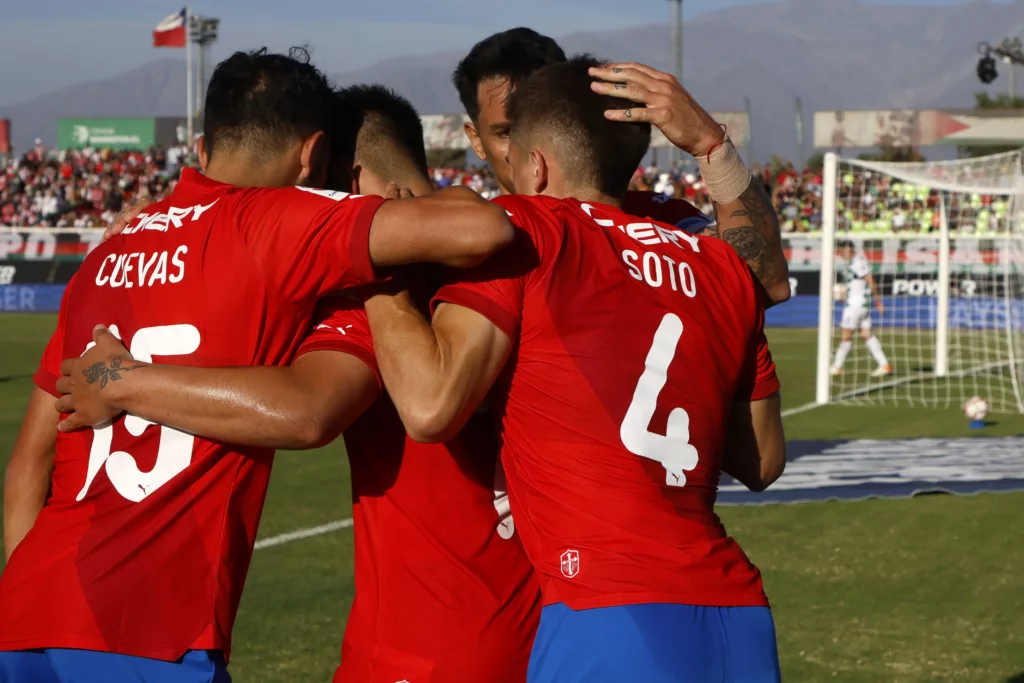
x=242 y=171
x=592 y=195
x=420 y=186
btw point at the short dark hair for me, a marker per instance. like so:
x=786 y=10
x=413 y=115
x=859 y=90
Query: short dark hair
x=594 y=151
x=381 y=128
x=512 y=54
x=261 y=101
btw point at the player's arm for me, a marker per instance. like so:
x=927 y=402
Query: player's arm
x=750 y=225
x=309 y=243
x=879 y=304
x=30 y=467
x=27 y=477
x=436 y=373
x=747 y=220
x=454 y=226
x=755 y=448
x=302 y=406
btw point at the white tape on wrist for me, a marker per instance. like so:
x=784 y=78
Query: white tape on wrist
x=726 y=175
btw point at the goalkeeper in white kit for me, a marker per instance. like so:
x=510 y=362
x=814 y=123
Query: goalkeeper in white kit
x=861 y=291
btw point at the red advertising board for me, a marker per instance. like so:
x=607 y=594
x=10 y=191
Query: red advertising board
x=5 y=136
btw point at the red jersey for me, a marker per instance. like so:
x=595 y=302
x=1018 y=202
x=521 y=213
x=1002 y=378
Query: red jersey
x=144 y=543
x=664 y=209
x=444 y=591
x=634 y=340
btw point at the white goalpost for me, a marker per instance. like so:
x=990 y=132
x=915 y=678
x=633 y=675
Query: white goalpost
x=922 y=283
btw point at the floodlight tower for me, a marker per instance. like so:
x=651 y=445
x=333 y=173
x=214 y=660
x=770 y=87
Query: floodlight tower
x=203 y=31
x=676 y=21
x=1011 y=51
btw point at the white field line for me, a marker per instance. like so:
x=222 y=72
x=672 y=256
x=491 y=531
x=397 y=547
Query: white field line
x=303 y=533
x=346 y=523
x=801 y=409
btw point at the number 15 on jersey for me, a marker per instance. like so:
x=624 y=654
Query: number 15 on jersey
x=174 y=452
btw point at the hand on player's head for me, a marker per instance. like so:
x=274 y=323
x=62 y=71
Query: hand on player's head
x=88 y=385
x=667 y=105
x=556 y=111
x=125 y=218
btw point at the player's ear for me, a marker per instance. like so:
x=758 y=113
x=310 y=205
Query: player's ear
x=314 y=158
x=357 y=176
x=474 y=139
x=539 y=171
x=204 y=157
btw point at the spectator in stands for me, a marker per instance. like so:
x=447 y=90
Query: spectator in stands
x=81 y=188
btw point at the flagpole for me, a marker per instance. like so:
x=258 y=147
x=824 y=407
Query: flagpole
x=188 y=75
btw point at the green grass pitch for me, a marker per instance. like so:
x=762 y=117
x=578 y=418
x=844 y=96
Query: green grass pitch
x=926 y=589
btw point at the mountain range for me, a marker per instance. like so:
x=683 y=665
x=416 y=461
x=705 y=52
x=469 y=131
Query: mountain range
x=833 y=54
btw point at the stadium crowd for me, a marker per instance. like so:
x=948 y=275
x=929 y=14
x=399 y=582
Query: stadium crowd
x=82 y=189
x=867 y=201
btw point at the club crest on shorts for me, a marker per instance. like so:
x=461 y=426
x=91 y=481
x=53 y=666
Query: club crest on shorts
x=570 y=563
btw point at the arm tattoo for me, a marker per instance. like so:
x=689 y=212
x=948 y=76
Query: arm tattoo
x=108 y=371
x=756 y=239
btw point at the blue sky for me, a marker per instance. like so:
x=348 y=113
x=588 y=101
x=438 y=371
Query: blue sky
x=55 y=43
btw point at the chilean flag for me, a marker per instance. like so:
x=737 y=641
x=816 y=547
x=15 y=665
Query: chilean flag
x=171 y=31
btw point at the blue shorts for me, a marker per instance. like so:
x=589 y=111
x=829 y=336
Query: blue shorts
x=657 y=643
x=86 y=666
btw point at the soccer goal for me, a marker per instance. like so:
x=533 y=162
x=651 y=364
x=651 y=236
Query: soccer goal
x=922 y=283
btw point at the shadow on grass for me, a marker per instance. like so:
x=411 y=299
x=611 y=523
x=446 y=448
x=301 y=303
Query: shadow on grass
x=4 y=380
x=1019 y=678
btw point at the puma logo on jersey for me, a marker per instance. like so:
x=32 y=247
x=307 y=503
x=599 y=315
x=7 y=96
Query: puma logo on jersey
x=506 y=524
x=339 y=329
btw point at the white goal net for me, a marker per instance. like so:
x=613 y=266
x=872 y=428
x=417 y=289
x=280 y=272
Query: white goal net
x=922 y=283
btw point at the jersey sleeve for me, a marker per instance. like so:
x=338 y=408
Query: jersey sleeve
x=340 y=324
x=766 y=382
x=496 y=288
x=308 y=242
x=48 y=373
x=759 y=380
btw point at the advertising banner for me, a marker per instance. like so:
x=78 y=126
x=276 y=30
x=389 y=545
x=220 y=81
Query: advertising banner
x=853 y=470
x=172 y=131
x=106 y=133
x=737 y=124
x=445 y=131
x=916 y=128
x=30 y=298
x=915 y=255
x=38 y=256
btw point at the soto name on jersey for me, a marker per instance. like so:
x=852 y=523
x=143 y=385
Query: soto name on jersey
x=654 y=268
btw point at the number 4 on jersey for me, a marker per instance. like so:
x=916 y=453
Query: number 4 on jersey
x=673 y=450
